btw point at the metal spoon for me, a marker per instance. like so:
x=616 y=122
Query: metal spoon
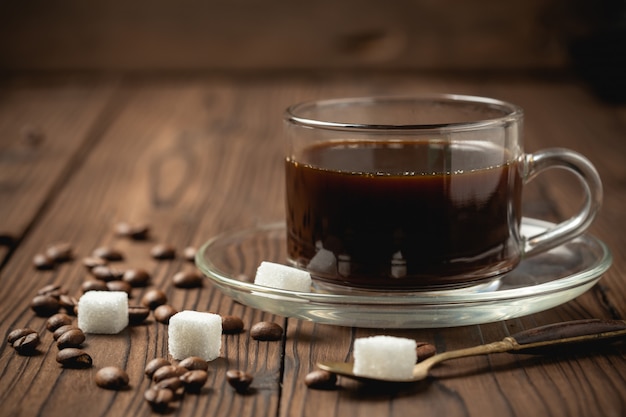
x=537 y=340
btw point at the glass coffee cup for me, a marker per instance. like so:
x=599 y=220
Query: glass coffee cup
x=404 y=193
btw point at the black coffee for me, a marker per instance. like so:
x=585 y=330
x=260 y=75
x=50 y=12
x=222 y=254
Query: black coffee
x=403 y=214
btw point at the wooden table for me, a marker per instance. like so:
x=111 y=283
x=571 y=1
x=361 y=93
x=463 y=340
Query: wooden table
x=197 y=155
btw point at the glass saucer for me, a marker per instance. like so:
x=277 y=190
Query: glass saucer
x=540 y=282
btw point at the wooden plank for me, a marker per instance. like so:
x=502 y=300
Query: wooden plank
x=45 y=130
x=165 y=160
x=191 y=34
x=197 y=156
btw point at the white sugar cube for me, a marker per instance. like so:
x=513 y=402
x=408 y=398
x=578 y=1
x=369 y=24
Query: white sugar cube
x=194 y=333
x=323 y=261
x=104 y=312
x=385 y=357
x=284 y=277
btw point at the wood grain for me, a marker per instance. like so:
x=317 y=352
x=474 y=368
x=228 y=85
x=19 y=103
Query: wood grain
x=243 y=35
x=196 y=156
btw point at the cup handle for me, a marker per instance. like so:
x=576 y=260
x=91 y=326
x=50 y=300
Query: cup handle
x=538 y=162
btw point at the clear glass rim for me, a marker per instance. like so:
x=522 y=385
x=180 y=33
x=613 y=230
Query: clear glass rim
x=511 y=113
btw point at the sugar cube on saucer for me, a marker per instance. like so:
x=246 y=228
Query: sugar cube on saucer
x=104 y=312
x=385 y=357
x=283 y=277
x=195 y=333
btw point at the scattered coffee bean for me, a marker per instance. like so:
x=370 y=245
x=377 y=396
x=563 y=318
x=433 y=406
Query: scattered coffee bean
x=93 y=285
x=163 y=313
x=231 y=325
x=168 y=371
x=18 y=333
x=137 y=314
x=68 y=303
x=119 y=285
x=91 y=262
x=266 y=331
x=74 y=358
x=43 y=262
x=189 y=253
x=194 y=380
x=425 y=350
x=187 y=279
x=112 y=377
x=59 y=252
x=107 y=273
x=53 y=290
x=72 y=338
x=27 y=344
x=163 y=251
x=107 y=253
x=136 y=277
x=155 y=364
x=171 y=383
x=194 y=363
x=320 y=379
x=45 y=305
x=159 y=399
x=239 y=380
x=153 y=298
x=58 y=332
x=57 y=320
x=134 y=231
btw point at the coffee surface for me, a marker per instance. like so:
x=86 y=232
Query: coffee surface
x=402 y=214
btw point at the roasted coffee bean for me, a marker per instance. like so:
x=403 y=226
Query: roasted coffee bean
x=163 y=251
x=57 y=320
x=425 y=350
x=112 y=377
x=119 y=285
x=18 y=333
x=134 y=231
x=155 y=364
x=45 y=305
x=53 y=290
x=189 y=253
x=194 y=380
x=91 y=262
x=153 y=298
x=108 y=253
x=159 y=399
x=72 y=338
x=137 y=314
x=163 y=313
x=107 y=273
x=43 y=262
x=320 y=379
x=68 y=303
x=172 y=383
x=74 y=358
x=136 y=277
x=266 y=331
x=58 y=332
x=187 y=279
x=26 y=344
x=232 y=325
x=93 y=285
x=60 y=252
x=193 y=363
x=168 y=371
x=239 y=380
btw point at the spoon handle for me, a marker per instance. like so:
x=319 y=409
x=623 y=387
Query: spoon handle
x=541 y=339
